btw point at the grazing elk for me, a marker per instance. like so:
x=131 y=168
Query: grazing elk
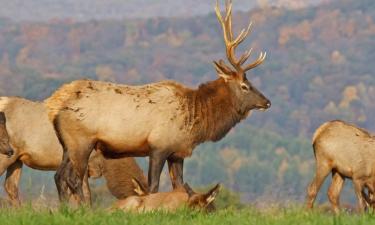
x=31 y=135
x=164 y=120
x=180 y=197
x=346 y=151
x=118 y=173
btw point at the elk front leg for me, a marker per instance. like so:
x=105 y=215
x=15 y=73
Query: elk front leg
x=11 y=182
x=156 y=164
x=176 y=171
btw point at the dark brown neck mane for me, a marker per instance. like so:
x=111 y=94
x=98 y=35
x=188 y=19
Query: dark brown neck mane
x=212 y=111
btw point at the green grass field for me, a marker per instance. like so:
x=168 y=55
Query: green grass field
x=27 y=215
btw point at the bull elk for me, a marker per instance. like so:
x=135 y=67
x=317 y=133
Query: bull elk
x=346 y=151
x=24 y=125
x=164 y=120
x=167 y=201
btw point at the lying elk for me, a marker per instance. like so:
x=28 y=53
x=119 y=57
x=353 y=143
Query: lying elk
x=345 y=151
x=33 y=139
x=183 y=196
x=164 y=121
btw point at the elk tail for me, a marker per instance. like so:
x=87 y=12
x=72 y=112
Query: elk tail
x=317 y=134
x=56 y=126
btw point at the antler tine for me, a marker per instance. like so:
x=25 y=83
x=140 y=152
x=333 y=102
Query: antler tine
x=227 y=32
x=228 y=18
x=243 y=34
x=222 y=22
x=257 y=62
x=231 y=44
x=245 y=56
x=222 y=63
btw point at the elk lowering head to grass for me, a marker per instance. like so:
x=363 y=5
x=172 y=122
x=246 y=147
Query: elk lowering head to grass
x=164 y=120
x=167 y=201
x=346 y=151
x=5 y=147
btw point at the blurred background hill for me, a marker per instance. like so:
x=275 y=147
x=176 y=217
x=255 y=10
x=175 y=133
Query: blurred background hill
x=83 y=10
x=319 y=67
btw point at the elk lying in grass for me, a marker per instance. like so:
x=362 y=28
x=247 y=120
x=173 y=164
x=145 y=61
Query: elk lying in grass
x=346 y=151
x=33 y=139
x=182 y=196
x=164 y=121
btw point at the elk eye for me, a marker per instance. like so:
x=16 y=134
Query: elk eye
x=244 y=87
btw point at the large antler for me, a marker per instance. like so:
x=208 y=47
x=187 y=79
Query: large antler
x=231 y=44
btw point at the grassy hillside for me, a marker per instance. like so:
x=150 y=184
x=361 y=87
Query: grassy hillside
x=319 y=67
x=245 y=216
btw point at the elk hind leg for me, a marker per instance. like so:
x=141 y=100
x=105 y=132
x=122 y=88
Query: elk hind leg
x=322 y=171
x=11 y=182
x=71 y=172
x=86 y=189
x=61 y=179
x=358 y=188
x=77 y=168
x=335 y=190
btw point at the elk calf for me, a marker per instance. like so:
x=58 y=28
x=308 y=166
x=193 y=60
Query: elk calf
x=346 y=151
x=167 y=201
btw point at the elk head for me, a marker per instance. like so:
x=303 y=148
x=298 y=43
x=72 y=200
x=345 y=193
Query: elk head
x=246 y=95
x=202 y=201
x=95 y=167
x=4 y=137
x=194 y=200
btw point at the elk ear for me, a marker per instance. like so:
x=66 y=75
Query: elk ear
x=2 y=118
x=188 y=190
x=211 y=194
x=138 y=187
x=222 y=70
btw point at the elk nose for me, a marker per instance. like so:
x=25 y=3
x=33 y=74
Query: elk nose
x=10 y=152
x=268 y=104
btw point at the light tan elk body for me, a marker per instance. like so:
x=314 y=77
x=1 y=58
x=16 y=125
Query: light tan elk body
x=346 y=151
x=164 y=121
x=167 y=201
x=33 y=139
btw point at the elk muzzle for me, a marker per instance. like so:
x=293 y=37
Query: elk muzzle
x=10 y=152
x=266 y=104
